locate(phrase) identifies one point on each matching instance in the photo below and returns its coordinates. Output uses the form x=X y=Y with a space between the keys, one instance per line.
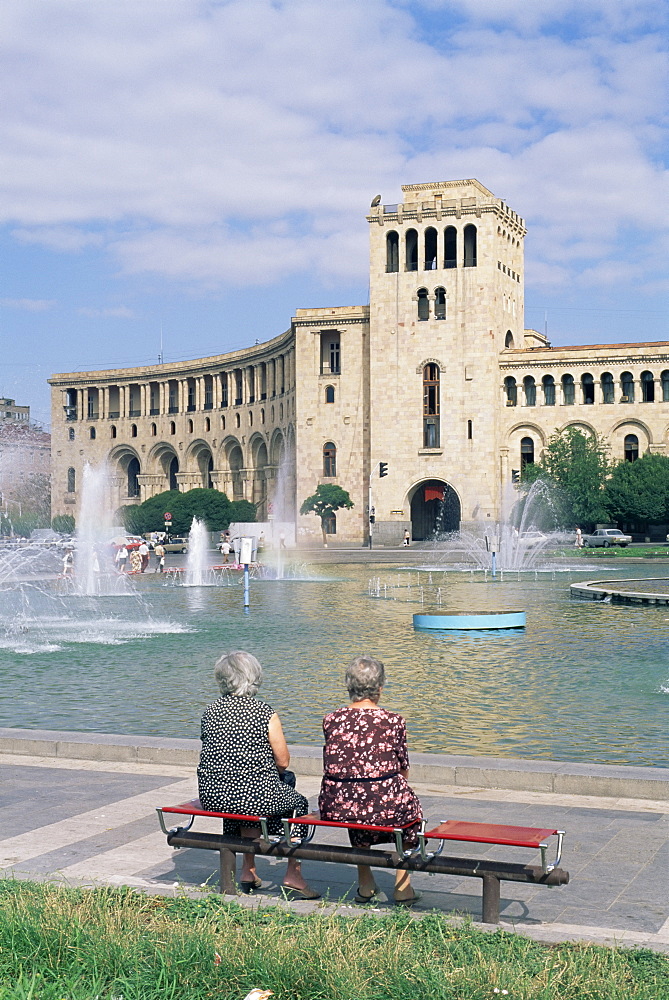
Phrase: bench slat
x=489 y=833
x=314 y=819
x=194 y=808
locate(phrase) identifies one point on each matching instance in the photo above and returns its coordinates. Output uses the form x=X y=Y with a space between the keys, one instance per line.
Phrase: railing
x=238 y=401
x=190 y=408
x=209 y=406
x=172 y=408
x=135 y=413
x=154 y=411
x=114 y=414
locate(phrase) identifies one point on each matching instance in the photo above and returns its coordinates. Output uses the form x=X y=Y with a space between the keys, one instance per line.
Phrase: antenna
x=160 y=355
x=546 y=323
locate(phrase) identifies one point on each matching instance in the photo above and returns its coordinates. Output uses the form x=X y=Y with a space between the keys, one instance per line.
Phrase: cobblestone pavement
x=94 y=822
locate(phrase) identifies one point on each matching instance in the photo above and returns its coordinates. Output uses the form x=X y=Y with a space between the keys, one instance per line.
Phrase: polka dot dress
x=237 y=771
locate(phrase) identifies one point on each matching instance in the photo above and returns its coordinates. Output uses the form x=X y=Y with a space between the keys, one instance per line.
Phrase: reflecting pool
x=584 y=681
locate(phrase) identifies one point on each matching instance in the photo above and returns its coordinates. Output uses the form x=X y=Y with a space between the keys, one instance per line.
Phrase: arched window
x=470 y=430
x=262 y=416
x=91 y=433
x=237 y=420
x=250 y=418
x=423 y=304
x=526 y=452
x=173 y=427
x=329 y=394
x=154 y=430
x=207 y=424
x=222 y=422
x=665 y=386
x=440 y=303
x=508 y=340
x=430 y=249
x=71 y=480
x=112 y=430
x=392 y=252
x=431 y=406
x=608 y=391
x=329 y=460
x=511 y=390
x=588 y=388
x=568 y=390
x=627 y=387
x=647 y=387
x=70 y=433
x=133 y=477
x=530 y=389
x=450 y=247
x=133 y=430
x=190 y=426
x=470 y=245
x=549 y=390
x=411 y=250
x=631 y=447
x=172 y=473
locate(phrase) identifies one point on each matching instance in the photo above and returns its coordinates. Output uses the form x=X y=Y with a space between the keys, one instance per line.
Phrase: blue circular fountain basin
x=487 y=620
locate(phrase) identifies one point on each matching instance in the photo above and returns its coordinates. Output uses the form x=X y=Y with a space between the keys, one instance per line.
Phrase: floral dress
x=237 y=771
x=365 y=750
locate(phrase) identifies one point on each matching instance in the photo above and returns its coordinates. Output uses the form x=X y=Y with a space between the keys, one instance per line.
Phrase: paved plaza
x=93 y=822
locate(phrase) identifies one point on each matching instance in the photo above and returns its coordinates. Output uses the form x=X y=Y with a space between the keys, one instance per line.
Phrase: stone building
x=437 y=378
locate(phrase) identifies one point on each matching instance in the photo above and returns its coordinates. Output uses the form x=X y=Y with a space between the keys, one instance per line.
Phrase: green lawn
x=107 y=944
x=655 y=551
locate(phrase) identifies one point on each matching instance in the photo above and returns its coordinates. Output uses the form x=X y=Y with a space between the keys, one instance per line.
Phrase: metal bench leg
x=228 y=865
x=490 y=899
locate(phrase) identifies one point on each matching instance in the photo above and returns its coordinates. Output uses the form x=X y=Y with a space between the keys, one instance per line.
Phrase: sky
x=193 y=171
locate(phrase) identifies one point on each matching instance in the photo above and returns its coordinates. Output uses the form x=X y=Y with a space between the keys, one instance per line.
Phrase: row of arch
x=190 y=426
x=433 y=252
x=527 y=451
x=585 y=389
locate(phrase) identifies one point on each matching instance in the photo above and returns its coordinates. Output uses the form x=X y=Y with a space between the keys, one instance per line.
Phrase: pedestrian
x=68 y=562
x=160 y=557
x=225 y=549
x=282 y=540
x=144 y=553
x=121 y=558
x=135 y=561
x=579 y=538
x=407 y=537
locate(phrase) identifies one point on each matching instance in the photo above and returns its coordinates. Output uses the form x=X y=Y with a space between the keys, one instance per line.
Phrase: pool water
x=584 y=681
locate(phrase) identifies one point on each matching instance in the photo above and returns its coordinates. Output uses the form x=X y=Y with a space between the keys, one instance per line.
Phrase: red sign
x=167 y=517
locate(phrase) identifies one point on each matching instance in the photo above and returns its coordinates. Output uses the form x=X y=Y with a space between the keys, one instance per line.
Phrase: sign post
x=246 y=557
x=167 y=518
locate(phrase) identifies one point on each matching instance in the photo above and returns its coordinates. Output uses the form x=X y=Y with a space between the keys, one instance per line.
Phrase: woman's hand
x=277 y=741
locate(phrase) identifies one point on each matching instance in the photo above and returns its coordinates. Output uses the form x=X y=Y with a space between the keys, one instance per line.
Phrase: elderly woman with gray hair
x=243 y=760
x=366 y=765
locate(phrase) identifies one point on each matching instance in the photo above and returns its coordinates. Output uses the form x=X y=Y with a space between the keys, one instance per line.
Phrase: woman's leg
x=248 y=872
x=294 y=879
x=366 y=883
x=403 y=887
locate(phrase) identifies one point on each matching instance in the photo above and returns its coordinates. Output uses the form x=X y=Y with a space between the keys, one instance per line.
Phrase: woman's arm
x=277 y=741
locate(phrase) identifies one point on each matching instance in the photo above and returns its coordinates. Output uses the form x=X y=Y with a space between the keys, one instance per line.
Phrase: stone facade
x=436 y=377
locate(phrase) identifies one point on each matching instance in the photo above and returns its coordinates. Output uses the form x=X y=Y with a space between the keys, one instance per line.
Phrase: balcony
x=209 y=405
x=172 y=408
x=238 y=400
x=135 y=413
x=190 y=408
x=114 y=414
x=154 y=411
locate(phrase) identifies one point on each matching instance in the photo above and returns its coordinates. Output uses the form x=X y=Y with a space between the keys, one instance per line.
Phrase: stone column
x=81 y=404
x=104 y=402
x=143 y=406
x=216 y=392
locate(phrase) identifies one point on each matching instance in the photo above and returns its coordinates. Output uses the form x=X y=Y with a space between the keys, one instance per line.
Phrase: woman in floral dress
x=366 y=765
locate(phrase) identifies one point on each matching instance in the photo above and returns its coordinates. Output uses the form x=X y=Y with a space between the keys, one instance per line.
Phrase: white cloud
x=115 y=312
x=28 y=305
x=241 y=142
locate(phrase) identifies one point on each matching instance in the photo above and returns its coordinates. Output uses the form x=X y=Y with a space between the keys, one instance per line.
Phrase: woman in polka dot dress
x=244 y=755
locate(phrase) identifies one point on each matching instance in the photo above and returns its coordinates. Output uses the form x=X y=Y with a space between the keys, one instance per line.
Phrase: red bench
x=420 y=858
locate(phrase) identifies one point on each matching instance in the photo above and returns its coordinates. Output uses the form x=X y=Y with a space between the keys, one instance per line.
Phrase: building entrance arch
x=435 y=508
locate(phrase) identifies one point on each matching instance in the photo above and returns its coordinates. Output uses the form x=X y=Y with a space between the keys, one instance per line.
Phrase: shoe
x=250 y=886
x=307 y=893
x=361 y=898
x=409 y=901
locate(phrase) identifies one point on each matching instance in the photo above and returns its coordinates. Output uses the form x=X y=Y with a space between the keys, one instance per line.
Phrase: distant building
x=10 y=413
x=437 y=377
x=25 y=465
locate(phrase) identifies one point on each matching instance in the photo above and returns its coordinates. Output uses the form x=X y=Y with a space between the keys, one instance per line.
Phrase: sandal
x=409 y=901
x=361 y=898
x=307 y=893
x=250 y=886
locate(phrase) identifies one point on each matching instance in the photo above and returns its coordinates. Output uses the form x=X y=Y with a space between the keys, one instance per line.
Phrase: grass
x=659 y=551
x=108 y=944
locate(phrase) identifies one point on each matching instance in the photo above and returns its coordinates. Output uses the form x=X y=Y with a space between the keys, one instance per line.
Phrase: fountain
x=197 y=562
x=94 y=571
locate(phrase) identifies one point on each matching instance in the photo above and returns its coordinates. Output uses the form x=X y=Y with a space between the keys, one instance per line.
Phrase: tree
x=577 y=467
x=64 y=524
x=242 y=510
x=639 y=491
x=327 y=499
x=209 y=506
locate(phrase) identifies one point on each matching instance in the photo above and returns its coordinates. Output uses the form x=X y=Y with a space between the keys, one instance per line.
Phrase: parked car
x=176 y=545
x=530 y=539
x=606 y=537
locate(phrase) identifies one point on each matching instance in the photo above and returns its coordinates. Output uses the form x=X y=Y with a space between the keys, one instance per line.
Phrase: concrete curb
x=597 y=590
x=558 y=777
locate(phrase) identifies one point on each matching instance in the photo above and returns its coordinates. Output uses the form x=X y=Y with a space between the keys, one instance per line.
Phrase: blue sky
x=205 y=167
